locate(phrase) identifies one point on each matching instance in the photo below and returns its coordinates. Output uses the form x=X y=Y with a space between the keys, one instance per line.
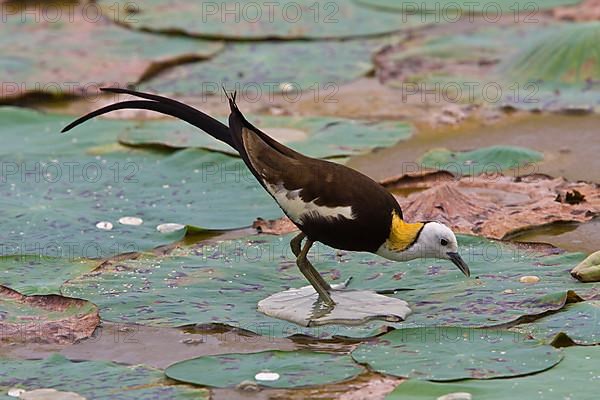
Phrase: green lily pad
x=575 y=377
x=500 y=66
x=45 y=318
x=277 y=369
x=314 y=136
x=563 y=64
x=40 y=274
x=93 y=379
x=490 y=8
x=259 y=70
x=59 y=191
x=579 y=321
x=452 y=353
x=223 y=282
x=298 y=19
x=82 y=53
x=488 y=159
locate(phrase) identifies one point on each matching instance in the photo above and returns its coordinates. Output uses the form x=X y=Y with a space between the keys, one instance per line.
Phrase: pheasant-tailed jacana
x=329 y=203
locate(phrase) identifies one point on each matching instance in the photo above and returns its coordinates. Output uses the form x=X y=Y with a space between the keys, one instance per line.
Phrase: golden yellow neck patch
x=402 y=234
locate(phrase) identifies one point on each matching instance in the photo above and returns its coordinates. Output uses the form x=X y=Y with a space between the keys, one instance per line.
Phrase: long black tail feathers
x=165 y=106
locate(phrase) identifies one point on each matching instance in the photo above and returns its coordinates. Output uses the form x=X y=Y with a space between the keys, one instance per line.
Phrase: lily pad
x=505 y=7
x=40 y=274
x=453 y=353
x=223 y=283
x=499 y=66
x=64 y=195
x=45 y=318
x=488 y=159
x=574 y=378
x=298 y=19
x=580 y=322
x=93 y=379
x=277 y=369
x=79 y=37
x=260 y=70
x=314 y=136
x=563 y=64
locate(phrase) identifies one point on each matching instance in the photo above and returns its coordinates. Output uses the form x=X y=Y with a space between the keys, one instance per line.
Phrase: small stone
x=104 y=225
x=508 y=291
x=192 y=341
x=248 y=386
x=529 y=279
x=169 y=228
x=49 y=394
x=286 y=87
x=131 y=221
x=15 y=392
x=456 y=396
x=267 y=376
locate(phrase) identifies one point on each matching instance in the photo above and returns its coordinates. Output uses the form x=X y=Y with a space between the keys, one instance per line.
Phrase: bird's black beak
x=459 y=262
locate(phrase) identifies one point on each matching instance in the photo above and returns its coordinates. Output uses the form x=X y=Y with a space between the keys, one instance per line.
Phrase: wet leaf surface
x=575 y=378
x=452 y=353
x=503 y=66
x=222 y=283
x=64 y=195
x=507 y=7
x=492 y=159
x=45 y=318
x=314 y=136
x=278 y=369
x=579 y=321
x=34 y=274
x=82 y=51
x=260 y=70
x=93 y=379
x=299 y=19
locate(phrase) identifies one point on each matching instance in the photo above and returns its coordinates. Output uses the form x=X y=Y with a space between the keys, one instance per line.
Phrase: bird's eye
x=444 y=242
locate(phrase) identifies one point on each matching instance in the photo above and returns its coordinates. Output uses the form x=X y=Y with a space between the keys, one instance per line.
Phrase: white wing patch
x=296 y=208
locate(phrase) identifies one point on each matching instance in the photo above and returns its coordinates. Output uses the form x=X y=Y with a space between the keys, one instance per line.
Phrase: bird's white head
x=430 y=240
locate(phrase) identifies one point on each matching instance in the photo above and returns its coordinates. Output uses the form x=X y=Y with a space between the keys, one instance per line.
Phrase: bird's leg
x=296 y=243
x=311 y=274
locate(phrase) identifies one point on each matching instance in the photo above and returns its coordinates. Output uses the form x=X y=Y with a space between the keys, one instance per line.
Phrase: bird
x=329 y=202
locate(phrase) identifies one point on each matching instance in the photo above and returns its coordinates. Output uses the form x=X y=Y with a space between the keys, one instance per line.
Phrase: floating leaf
x=93 y=379
x=314 y=136
x=492 y=9
x=45 y=318
x=452 y=353
x=564 y=65
x=278 y=369
x=579 y=321
x=55 y=192
x=223 y=283
x=574 y=378
x=259 y=70
x=501 y=66
x=297 y=19
x=493 y=205
x=82 y=54
x=488 y=159
x=40 y=274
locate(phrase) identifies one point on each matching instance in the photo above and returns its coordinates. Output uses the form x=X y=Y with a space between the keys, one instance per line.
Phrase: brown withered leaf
x=51 y=319
x=500 y=206
x=588 y=10
x=494 y=206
